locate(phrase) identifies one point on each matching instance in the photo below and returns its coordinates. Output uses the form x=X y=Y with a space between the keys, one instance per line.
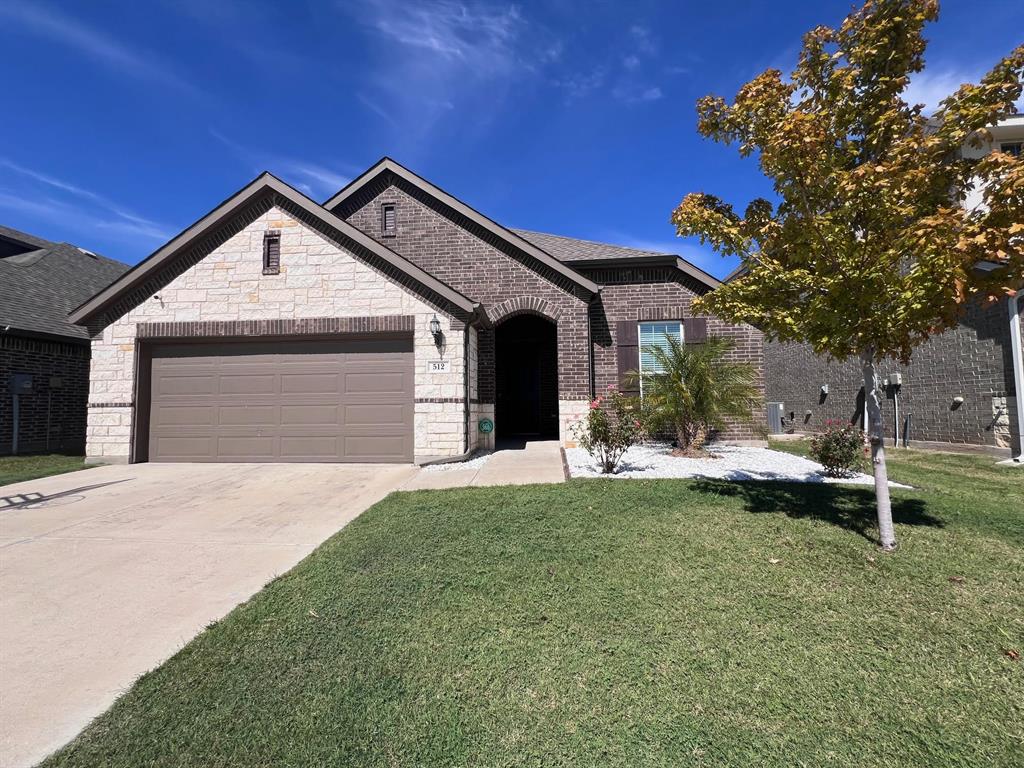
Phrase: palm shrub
x=697 y=390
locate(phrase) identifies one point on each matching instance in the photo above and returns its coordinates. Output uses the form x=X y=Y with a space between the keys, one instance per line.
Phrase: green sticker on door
x=486 y=426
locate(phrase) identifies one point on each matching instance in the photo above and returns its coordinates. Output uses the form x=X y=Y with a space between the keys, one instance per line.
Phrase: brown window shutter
x=627 y=348
x=695 y=330
x=271 y=252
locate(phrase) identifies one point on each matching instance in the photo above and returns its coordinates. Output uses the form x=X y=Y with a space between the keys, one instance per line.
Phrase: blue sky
x=125 y=122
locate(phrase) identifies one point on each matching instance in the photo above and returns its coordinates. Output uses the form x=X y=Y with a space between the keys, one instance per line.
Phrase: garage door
x=287 y=401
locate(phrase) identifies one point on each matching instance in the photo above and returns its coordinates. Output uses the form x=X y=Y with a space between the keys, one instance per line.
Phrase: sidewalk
x=520 y=464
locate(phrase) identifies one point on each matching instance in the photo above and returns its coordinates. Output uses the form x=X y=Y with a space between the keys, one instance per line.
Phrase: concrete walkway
x=106 y=572
x=525 y=463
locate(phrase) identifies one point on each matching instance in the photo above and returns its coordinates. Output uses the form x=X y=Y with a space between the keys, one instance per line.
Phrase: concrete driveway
x=106 y=572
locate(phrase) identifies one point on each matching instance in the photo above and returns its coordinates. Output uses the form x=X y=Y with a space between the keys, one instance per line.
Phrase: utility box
x=21 y=383
x=775 y=418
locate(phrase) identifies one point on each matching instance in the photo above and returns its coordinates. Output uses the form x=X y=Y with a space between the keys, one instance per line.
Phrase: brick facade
x=665 y=293
x=972 y=361
x=508 y=283
x=51 y=418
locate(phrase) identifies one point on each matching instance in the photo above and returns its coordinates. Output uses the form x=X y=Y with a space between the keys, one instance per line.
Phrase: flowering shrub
x=611 y=426
x=840 y=449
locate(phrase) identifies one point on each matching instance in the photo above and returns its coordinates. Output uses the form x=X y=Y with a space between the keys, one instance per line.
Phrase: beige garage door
x=286 y=401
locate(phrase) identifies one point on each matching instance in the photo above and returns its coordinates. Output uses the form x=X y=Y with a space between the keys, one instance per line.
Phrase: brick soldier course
x=389 y=253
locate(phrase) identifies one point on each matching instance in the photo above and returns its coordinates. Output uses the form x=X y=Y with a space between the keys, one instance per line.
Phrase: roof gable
x=194 y=243
x=350 y=194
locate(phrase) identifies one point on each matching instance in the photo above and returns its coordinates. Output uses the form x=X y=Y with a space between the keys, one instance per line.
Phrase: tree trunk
x=873 y=402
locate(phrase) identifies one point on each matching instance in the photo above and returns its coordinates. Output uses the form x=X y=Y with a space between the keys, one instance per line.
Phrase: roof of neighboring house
x=263 y=187
x=42 y=281
x=588 y=253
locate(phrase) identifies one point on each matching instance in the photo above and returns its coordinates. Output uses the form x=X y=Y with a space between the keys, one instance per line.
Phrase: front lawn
x=632 y=623
x=15 y=469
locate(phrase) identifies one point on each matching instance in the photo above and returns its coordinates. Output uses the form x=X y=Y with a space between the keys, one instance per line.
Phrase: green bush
x=840 y=449
x=611 y=426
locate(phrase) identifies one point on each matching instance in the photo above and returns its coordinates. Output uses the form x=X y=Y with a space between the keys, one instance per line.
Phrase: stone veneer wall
x=973 y=361
x=665 y=293
x=318 y=279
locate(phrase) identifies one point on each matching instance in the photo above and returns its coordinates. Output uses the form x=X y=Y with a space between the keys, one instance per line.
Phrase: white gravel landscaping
x=478 y=460
x=654 y=460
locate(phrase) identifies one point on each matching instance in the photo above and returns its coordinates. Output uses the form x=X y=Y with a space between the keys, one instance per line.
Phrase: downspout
x=590 y=345
x=465 y=383
x=1013 y=304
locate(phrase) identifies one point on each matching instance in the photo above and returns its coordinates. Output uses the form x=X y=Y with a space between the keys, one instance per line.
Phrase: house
x=963 y=388
x=44 y=359
x=392 y=323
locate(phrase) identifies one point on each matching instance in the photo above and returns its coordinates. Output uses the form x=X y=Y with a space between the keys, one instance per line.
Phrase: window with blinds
x=656 y=335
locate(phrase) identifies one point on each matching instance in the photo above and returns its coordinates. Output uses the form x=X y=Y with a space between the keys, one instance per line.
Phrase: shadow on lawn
x=850 y=508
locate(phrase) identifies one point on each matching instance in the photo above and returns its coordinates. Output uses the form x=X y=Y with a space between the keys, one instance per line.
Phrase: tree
x=867 y=250
x=697 y=389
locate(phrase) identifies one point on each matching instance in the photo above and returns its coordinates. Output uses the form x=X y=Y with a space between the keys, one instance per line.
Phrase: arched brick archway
x=523 y=305
x=526 y=374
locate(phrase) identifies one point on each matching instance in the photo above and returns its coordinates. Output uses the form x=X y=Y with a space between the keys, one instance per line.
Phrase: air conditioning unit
x=775 y=418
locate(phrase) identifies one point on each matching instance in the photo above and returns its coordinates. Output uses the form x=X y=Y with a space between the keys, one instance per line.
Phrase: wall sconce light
x=435 y=330
x=824 y=389
x=957 y=402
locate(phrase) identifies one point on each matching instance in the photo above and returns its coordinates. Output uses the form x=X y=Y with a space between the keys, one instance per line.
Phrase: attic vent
x=271 y=252
x=388 y=224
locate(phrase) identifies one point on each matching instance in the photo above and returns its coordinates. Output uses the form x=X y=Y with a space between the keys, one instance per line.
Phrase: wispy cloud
x=74 y=34
x=437 y=58
x=634 y=93
x=624 y=71
x=80 y=203
x=312 y=178
x=934 y=84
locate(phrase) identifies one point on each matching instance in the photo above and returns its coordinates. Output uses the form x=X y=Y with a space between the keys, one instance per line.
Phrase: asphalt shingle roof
x=570 y=249
x=40 y=286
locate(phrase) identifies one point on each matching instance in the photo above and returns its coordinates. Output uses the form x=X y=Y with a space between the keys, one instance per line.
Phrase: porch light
x=435 y=327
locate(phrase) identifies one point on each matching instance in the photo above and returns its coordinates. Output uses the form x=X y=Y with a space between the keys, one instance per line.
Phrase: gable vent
x=388 y=221
x=271 y=252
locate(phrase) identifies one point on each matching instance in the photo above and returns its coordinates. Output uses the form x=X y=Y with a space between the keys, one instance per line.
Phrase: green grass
x=15 y=469
x=627 y=623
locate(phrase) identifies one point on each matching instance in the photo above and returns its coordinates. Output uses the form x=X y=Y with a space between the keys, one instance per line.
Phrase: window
x=1013 y=148
x=655 y=335
x=271 y=252
x=388 y=225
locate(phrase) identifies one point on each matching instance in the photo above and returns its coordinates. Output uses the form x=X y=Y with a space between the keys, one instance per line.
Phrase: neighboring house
x=44 y=359
x=391 y=323
x=962 y=388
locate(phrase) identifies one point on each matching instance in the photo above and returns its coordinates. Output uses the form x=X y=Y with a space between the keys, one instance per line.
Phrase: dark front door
x=526 y=359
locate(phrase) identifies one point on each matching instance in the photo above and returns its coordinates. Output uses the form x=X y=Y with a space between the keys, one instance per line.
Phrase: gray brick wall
x=487 y=271
x=972 y=361
x=52 y=418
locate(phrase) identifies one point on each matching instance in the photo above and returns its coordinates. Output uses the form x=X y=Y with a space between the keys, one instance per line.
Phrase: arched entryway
x=526 y=378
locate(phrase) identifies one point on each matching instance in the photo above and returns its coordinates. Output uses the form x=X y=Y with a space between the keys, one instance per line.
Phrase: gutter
x=1013 y=305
